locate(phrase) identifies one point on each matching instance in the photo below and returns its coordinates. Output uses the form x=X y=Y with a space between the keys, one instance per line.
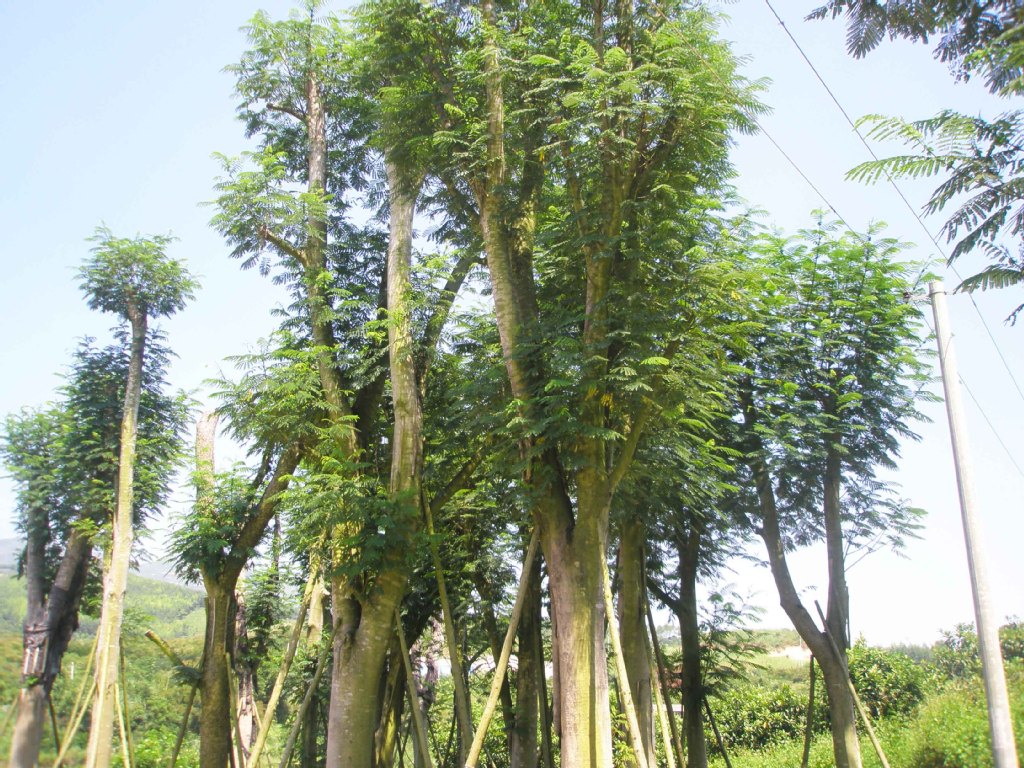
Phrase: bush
x=753 y=717
x=888 y=682
x=956 y=655
x=951 y=729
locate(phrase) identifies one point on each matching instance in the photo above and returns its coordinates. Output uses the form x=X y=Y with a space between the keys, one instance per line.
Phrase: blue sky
x=114 y=108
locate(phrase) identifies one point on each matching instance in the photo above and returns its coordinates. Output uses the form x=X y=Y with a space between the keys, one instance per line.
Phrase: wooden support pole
x=506 y=651
x=626 y=695
x=810 y=719
x=414 y=705
x=718 y=734
x=286 y=664
x=184 y=727
x=321 y=664
x=663 y=684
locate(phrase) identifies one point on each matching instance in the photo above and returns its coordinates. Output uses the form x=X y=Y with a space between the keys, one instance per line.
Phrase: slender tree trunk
x=44 y=650
x=689 y=632
x=523 y=752
x=245 y=677
x=838 y=613
x=115 y=581
x=388 y=732
x=632 y=627
x=842 y=713
x=361 y=647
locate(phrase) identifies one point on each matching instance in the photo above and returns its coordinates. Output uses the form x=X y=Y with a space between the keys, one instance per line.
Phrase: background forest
x=539 y=378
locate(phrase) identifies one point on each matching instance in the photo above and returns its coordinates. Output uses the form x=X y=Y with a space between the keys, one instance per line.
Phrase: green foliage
x=956 y=655
x=889 y=683
x=973 y=37
x=132 y=277
x=754 y=717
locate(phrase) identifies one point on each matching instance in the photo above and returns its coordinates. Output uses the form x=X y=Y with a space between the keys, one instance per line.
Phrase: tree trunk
x=841 y=709
x=633 y=629
x=837 y=616
x=115 y=581
x=361 y=647
x=689 y=633
x=494 y=639
x=215 y=713
x=388 y=731
x=574 y=560
x=245 y=676
x=523 y=749
x=44 y=651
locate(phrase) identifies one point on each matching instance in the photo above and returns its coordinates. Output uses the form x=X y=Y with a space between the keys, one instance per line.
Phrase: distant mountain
x=158 y=570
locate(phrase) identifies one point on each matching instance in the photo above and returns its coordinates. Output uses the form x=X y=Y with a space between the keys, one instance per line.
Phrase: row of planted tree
x=526 y=316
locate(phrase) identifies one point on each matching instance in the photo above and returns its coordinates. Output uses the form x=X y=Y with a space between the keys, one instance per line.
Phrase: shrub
x=755 y=716
x=888 y=682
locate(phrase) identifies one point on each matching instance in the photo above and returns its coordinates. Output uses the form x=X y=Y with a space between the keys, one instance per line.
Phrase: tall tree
x=134 y=279
x=829 y=388
x=64 y=461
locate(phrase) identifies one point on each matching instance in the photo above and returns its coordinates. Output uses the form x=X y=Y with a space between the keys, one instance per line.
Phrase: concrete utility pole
x=1004 y=750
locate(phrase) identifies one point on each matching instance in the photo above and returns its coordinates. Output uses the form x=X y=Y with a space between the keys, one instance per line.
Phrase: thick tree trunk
x=633 y=628
x=44 y=651
x=361 y=647
x=574 y=575
x=215 y=713
x=115 y=581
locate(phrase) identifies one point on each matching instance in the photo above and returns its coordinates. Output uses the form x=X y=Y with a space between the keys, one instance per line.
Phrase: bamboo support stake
x=73 y=728
x=810 y=719
x=546 y=749
x=632 y=721
x=410 y=685
x=126 y=755
x=53 y=722
x=321 y=664
x=718 y=734
x=82 y=697
x=184 y=727
x=663 y=684
x=506 y=652
x=124 y=704
x=660 y=706
x=282 y=673
x=463 y=704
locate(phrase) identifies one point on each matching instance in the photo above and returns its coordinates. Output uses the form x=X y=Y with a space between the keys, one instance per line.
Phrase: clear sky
x=113 y=109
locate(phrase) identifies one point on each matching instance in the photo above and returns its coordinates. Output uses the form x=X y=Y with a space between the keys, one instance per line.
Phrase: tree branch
x=288 y=111
x=281 y=244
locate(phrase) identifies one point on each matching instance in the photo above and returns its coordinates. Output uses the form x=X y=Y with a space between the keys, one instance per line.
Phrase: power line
x=899 y=192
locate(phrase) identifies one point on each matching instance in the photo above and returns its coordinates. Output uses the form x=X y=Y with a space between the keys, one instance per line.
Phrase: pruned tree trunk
x=361 y=645
x=245 y=680
x=523 y=752
x=689 y=633
x=115 y=579
x=632 y=627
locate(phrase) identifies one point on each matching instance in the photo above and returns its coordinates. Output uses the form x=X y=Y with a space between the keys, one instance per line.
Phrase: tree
x=134 y=279
x=619 y=127
x=829 y=386
x=64 y=462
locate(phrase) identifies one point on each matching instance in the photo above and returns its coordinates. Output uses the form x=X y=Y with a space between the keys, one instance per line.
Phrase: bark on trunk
x=842 y=713
x=633 y=630
x=689 y=632
x=523 y=752
x=246 y=679
x=361 y=647
x=115 y=581
x=574 y=574
x=215 y=713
